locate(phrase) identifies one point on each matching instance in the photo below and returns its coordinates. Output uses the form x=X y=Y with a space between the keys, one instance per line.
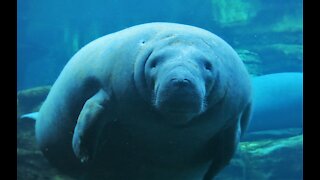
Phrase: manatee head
x=181 y=77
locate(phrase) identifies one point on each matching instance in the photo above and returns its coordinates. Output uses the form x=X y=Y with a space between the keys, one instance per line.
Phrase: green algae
x=234 y=12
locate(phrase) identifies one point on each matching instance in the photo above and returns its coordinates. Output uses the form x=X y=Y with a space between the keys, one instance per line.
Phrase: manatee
x=153 y=101
x=277 y=101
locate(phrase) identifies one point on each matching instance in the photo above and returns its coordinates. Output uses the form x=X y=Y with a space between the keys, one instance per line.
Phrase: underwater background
x=268 y=36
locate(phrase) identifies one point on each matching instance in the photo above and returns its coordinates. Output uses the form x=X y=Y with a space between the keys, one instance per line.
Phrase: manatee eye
x=153 y=64
x=208 y=66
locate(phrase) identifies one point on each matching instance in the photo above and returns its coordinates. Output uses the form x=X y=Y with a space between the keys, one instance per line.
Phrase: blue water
x=50 y=32
x=266 y=34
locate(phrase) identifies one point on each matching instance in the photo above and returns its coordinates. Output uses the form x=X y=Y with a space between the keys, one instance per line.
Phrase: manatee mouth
x=179 y=97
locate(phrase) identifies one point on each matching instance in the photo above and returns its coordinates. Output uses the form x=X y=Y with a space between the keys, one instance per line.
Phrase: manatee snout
x=180 y=90
x=180 y=82
x=179 y=79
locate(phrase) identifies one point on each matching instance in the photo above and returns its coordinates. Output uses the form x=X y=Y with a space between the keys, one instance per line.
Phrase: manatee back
x=277 y=101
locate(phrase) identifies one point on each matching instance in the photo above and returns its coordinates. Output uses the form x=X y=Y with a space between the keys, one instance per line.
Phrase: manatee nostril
x=186 y=80
x=180 y=82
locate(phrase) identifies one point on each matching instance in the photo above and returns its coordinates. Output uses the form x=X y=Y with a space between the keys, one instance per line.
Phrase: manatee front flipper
x=222 y=148
x=90 y=121
x=32 y=116
x=224 y=144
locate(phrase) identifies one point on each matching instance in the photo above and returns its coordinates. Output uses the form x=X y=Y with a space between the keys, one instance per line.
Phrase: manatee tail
x=33 y=116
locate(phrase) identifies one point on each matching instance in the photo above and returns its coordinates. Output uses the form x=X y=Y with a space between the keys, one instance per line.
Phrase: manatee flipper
x=88 y=125
x=245 y=118
x=223 y=148
x=33 y=116
x=224 y=145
